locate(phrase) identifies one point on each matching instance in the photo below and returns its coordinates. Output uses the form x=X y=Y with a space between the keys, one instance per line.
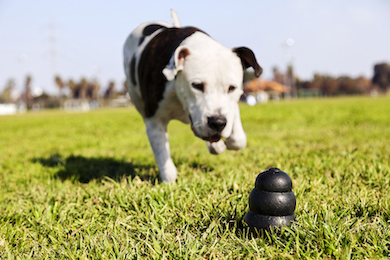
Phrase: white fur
x=209 y=62
x=175 y=18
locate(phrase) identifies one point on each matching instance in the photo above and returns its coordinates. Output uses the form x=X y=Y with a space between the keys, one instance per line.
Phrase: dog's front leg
x=159 y=141
x=237 y=139
x=216 y=147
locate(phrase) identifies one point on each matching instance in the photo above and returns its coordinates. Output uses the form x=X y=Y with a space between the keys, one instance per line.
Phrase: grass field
x=85 y=185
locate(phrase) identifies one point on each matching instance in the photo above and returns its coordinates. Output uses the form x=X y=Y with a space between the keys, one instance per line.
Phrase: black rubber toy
x=272 y=202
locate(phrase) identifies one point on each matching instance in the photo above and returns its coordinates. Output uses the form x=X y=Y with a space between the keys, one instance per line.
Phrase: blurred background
x=69 y=53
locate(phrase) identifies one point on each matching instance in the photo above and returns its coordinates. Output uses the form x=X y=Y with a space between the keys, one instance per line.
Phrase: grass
x=85 y=185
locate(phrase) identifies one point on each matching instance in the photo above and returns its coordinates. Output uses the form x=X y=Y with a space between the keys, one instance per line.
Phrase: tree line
x=85 y=89
x=324 y=85
x=70 y=89
x=327 y=85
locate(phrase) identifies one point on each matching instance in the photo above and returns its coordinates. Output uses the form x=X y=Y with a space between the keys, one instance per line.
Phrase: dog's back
x=132 y=50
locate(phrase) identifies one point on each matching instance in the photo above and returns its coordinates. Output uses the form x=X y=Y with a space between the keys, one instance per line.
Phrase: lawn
x=85 y=185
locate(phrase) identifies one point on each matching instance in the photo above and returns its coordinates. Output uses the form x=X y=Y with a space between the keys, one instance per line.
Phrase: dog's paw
x=216 y=147
x=236 y=143
x=168 y=172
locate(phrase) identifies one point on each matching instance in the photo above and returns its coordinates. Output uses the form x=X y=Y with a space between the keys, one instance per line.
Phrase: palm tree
x=109 y=93
x=72 y=88
x=60 y=84
x=83 y=86
x=27 y=93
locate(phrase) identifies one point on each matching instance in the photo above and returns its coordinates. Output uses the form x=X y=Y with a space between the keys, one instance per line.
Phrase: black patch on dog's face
x=154 y=58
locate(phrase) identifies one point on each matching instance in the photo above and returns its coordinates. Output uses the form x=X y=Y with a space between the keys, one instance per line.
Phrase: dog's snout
x=216 y=123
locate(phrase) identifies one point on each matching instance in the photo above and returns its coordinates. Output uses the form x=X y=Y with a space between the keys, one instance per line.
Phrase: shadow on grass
x=192 y=164
x=83 y=169
x=243 y=231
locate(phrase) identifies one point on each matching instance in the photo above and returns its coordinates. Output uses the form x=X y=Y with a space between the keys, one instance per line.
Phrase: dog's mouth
x=211 y=139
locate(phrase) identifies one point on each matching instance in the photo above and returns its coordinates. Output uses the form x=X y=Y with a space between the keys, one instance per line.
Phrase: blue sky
x=335 y=37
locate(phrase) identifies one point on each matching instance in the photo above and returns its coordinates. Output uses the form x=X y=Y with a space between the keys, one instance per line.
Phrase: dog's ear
x=176 y=63
x=248 y=59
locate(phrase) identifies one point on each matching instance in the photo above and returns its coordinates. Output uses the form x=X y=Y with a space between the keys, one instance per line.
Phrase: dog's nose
x=216 y=123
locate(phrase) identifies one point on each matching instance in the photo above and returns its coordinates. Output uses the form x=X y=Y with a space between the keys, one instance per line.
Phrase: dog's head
x=208 y=83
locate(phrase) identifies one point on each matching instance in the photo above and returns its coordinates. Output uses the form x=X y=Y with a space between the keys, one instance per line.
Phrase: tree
x=83 y=87
x=363 y=84
x=381 y=76
x=6 y=96
x=125 y=90
x=60 y=84
x=109 y=93
x=290 y=80
x=27 y=92
x=308 y=85
x=347 y=85
x=329 y=86
x=93 y=89
x=72 y=87
x=278 y=76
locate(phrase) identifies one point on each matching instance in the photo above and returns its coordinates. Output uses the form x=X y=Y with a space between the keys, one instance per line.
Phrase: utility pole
x=21 y=59
x=53 y=49
x=289 y=75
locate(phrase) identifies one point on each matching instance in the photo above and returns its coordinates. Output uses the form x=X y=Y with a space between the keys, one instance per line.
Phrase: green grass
x=85 y=185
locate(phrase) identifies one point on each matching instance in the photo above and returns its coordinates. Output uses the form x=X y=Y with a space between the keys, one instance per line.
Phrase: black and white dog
x=181 y=73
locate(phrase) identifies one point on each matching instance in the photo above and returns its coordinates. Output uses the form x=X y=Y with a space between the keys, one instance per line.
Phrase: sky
x=84 y=38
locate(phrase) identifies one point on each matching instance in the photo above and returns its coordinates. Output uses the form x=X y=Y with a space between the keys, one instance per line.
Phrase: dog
x=181 y=73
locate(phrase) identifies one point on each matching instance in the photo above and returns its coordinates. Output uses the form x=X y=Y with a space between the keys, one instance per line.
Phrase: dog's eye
x=231 y=89
x=198 y=86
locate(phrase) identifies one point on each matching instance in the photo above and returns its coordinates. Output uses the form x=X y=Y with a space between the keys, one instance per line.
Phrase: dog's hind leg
x=159 y=141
